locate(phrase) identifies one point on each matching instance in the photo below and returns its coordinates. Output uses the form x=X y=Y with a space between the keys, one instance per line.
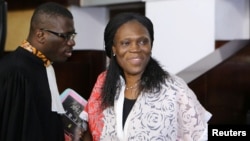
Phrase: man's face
x=59 y=39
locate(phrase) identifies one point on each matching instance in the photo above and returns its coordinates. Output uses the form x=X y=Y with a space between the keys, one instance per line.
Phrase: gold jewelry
x=132 y=87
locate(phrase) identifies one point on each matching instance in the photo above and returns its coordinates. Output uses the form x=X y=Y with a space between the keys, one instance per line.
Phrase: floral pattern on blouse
x=173 y=114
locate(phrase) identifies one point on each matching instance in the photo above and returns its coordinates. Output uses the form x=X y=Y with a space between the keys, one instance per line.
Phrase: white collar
x=56 y=104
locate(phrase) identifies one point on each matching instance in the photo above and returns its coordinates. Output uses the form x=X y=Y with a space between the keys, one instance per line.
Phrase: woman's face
x=132 y=47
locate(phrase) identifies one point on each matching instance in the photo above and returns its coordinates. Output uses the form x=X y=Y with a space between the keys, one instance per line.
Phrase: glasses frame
x=65 y=36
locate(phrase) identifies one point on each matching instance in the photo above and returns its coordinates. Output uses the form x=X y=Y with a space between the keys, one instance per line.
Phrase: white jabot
x=56 y=105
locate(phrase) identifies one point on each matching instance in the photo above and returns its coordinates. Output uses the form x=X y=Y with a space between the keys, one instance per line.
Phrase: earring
x=113 y=54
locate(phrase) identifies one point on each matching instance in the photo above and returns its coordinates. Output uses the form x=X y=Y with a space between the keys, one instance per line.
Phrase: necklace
x=132 y=87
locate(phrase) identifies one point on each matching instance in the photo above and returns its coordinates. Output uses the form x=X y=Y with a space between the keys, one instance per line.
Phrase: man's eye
x=65 y=36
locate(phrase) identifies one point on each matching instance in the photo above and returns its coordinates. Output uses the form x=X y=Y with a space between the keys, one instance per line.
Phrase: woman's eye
x=143 y=42
x=125 y=43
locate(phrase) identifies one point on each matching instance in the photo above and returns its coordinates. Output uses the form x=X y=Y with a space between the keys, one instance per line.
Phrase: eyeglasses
x=67 y=37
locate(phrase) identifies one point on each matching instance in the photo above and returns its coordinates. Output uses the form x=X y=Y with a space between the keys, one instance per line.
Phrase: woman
x=135 y=99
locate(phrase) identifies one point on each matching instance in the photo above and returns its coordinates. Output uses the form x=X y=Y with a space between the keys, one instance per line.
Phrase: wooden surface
x=225 y=89
x=80 y=71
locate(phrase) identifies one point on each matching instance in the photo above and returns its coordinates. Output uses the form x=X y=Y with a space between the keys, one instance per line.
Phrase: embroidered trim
x=26 y=45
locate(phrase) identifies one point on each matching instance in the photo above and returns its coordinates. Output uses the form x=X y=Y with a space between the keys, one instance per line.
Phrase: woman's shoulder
x=175 y=80
x=179 y=86
x=102 y=75
x=96 y=91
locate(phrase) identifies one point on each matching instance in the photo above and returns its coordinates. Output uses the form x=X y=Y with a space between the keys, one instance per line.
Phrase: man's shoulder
x=9 y=58
x=14 y=61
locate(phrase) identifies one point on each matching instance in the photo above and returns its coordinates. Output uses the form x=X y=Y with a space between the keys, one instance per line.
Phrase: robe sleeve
x=16 y=112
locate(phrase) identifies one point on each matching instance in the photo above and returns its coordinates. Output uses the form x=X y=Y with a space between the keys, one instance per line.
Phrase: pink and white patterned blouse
x=173 y=114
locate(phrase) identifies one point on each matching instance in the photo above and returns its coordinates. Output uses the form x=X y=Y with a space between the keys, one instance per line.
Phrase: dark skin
x=133 y=50
x=55 y=48
x=86 y=136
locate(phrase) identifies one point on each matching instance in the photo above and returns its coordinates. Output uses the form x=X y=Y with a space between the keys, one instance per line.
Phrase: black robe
x=25 y=100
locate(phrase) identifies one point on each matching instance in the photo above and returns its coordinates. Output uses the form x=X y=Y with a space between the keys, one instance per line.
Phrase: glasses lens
x=72 y=36
x=65 y=36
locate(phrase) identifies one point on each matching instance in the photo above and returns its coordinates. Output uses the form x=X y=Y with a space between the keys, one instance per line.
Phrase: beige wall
x=17 y=28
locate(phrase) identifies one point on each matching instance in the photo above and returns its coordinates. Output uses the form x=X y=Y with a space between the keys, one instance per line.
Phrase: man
x=30 y=106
